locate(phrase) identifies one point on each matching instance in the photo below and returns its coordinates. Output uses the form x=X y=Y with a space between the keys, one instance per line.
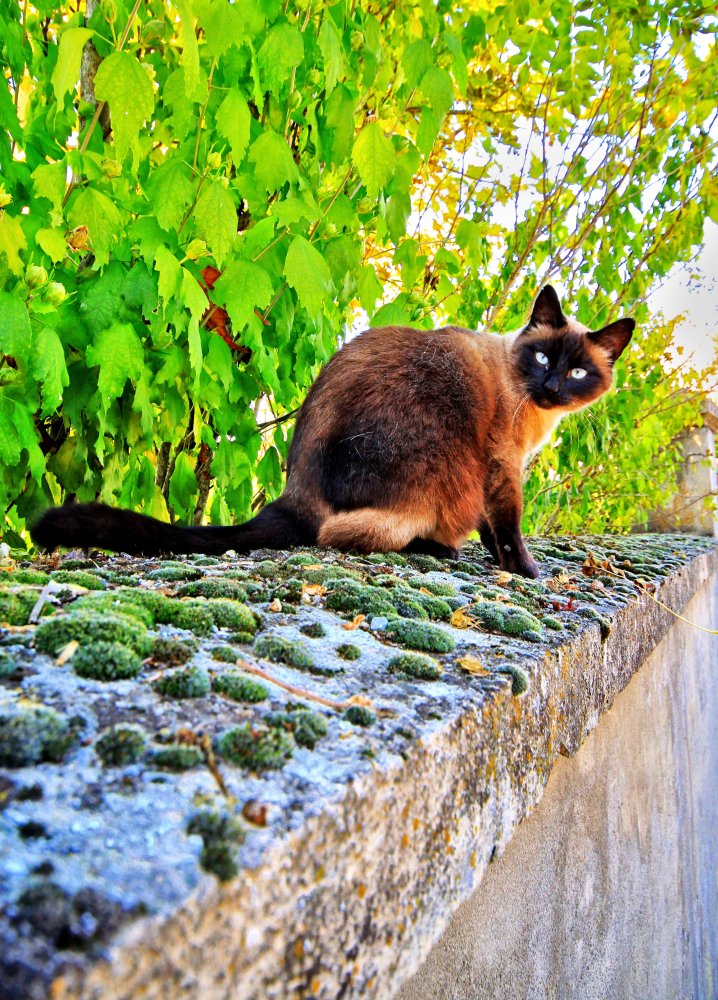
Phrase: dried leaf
x=255 y=812
x=460 y=619
x=67 y=652
x=423 y=590
x=275 y=605
x=78 y=238
x=354 y=623
x=313 y=590
x=360 y=699
x=473 y=665
x=502 y=578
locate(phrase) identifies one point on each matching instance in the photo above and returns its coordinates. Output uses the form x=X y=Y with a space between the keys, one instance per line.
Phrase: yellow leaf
x=360 y=699
x=502 y=577
x=473 y=665
x=460 y=619
x=423 y=590
x=313 y=590
x=67 y=652
x=355 y=623
x=276 y=605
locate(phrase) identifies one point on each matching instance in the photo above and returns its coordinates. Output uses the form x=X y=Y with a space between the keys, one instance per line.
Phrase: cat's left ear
x=614 y=338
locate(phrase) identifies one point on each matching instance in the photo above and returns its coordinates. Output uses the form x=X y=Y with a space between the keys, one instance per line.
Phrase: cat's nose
x=552 y=383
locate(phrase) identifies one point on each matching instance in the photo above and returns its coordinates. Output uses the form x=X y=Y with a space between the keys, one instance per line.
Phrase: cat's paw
x=522 y=563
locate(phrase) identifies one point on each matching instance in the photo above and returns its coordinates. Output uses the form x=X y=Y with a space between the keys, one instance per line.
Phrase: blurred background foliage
x=340 y=164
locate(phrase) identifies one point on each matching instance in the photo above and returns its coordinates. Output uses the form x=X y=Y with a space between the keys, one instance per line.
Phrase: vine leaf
x=12 y=241
x=274 y=165
x=183 y=485
x=243 y=287
x=93 y=209
x=170 y=190
x=215 y=220
x=125 y=85
x=15 y=332
x=306 y=271
x=233 y=120
x=373 y=156
x=47 y=366
x=66 y=73
x=281 y=52
x=119 y=354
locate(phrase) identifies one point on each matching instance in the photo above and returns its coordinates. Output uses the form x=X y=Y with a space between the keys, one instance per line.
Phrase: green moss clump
x=306 y=727
x=8 y=666
x=239 y=687
x=435 y=587
x=288 y=591
x=359 y=715
x=259 y=748
x=174 y=652
x=268 y=569
x=387 y=559
x=175 y=757
x=301 y=559
x=548 y=621
x=81 y=579
x=190 y=682
x=204 y=560
x=507 y=619
x=30 y=734
x=427 y=563
x=348 y=651
x=420 y=635
x=16 y=605
x=409 y=608
x=350 y=596
x=225 y=654
x=121 y=744
x=422 y=668
x=214 y=587
x=279 y=649
x=28 y=576
x=221 y=834
x=330 y=572
x=436 y=607
x=592 y=615
x=106 y=661
x=54 y=634
x=315 y=631
x=520 y=681
x=230 y=614
x=122 y=603
x=174 y=572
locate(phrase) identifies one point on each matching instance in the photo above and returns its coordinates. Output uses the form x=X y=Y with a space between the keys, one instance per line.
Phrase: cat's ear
x=547 y=309
x=614 y=338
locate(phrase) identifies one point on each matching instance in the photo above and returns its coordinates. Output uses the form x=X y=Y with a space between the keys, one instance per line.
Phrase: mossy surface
x=86 y=626
x=8 y=666
x=175 y=757
x=214 y=587
x=221 y=835
x=173 y=652
x=507 y=619
x=280 y=649
x=306 y=727
x=314 y=631
x=173 y=572
x=33 y=733
x=88 y=580
x=348 y=651
x=16 y=605
x=258 y=748
x=190 y=682
x=421 y=668
x=420 y=635
x=359 y=715
x=239 y=687
x=119 y=602
x=119 y=745
x=106 y=661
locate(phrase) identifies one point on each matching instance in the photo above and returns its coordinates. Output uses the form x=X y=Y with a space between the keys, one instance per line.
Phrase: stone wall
x=610 y=889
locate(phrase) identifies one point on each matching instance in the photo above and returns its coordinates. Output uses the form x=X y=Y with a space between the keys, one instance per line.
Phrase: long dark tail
x=98 y=526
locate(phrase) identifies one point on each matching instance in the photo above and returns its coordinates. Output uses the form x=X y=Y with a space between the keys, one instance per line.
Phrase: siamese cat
x=408 y=441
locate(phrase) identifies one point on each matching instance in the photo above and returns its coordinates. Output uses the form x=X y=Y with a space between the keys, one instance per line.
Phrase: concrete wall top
x=179 y=832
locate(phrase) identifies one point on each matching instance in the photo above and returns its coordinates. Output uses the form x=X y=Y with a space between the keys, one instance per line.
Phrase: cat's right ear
x=547 y=309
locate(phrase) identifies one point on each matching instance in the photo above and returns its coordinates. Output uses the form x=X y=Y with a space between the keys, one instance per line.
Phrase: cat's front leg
x=504 y=503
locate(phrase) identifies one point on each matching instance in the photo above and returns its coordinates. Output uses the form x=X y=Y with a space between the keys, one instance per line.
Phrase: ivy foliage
x=200 y=197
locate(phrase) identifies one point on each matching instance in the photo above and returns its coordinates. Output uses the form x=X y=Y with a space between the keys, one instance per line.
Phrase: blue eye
x=541 y=358
x=578 y=373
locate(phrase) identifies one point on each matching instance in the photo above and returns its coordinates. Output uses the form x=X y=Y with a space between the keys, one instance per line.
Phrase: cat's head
x=563 y=364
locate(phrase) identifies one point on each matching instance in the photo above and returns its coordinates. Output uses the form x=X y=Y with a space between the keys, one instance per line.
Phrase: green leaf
x=119 y=354
x=193 y=298
x=269 y=472
x=369 y=286
x=18 y=434
x=227 y=24
x=49 y=181
x=170 y=190
x=416 y=59
x=306 y=271
x=330 y=44
x=188 y=44
x=123 y=82
x=12 y=241
x=52 y=242
x=373 y=156
x=233 y=121
x=274 y=165
x=242 y=288
x=66 y=74
x=183 y=486
x=94 y=209
x=215 y=220
x=281 y=52
x=170 y=272
x=47 y=365
x=438 y=89
x=15 y=331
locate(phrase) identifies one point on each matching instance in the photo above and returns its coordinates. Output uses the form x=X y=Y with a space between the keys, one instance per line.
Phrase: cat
x=409 y=440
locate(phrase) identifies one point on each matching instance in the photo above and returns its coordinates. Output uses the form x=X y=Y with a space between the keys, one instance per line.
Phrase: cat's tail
x=94 y=525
